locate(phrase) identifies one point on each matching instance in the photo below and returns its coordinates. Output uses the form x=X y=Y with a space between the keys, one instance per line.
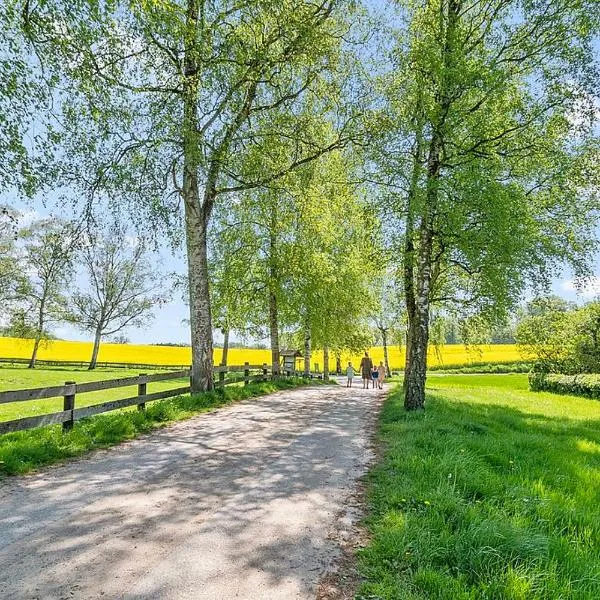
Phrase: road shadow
x=251 y=488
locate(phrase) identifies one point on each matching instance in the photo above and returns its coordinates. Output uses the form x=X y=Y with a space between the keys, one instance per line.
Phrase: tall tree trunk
x=36 y=345
x=39 y=331
x=225 y=332
x=196 y=214
x=307 y=351
x=385 y=352
x=338 y=363
x=419 y=275
x=274 y=332
x=325 y=362
x=409 y=240
x=95 y=350
x=200 y=313
x=416 y=352
x=273 y=286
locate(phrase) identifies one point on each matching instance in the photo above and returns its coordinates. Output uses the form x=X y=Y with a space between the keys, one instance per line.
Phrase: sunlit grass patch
x=492 y=492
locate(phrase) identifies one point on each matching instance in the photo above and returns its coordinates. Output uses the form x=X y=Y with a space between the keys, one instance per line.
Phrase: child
x=349 y=374
x=381 y=369
x=375 y=377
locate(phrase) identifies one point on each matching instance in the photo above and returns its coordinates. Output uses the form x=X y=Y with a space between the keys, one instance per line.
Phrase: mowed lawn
x=492 y=492
x=15 y=378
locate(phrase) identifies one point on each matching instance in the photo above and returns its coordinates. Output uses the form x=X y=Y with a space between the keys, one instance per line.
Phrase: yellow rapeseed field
x=169 y=355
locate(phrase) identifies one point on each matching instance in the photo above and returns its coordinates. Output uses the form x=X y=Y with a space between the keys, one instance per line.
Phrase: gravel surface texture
x=245 y=502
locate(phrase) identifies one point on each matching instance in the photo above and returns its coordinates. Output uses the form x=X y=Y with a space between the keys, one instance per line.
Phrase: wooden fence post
x=69 y=404
x=142 y=390
x=265 y=372
x=246 y=372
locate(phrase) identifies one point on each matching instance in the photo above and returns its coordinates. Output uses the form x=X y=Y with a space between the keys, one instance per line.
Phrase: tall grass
x=492 y=493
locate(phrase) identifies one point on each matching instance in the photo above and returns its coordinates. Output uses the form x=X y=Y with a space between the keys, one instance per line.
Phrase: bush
x=485 y=367
x=587 y=385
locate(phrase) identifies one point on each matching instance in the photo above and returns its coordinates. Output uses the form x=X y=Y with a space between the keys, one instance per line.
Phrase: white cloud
x=586 y=288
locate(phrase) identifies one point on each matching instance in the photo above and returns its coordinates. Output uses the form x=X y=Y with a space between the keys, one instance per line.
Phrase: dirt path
x=239 y=503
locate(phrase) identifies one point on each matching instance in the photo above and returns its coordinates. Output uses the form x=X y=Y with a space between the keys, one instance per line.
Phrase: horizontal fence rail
x=243 y=373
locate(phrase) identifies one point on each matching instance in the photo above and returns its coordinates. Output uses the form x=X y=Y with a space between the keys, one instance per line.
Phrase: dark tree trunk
x=33 y=359
x=94 y=359
x=39 y=331
x=274 y=332
x=416 y=351
x=418 y=274
x=307 y=352
x=338 y=363
x=273 y=287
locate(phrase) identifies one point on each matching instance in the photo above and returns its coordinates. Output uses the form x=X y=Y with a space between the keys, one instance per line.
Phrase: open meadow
x=492 y=492
x=19 y=377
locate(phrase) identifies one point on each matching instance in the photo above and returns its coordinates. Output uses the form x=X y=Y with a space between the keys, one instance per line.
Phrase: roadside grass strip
x=24 y=451
x=493 y=492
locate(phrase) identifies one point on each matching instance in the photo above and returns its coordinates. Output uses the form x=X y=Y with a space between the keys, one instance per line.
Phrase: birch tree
x=164 y=98
x=338 y=256
x=123 y=286
x=47 y=257
x=491 y=183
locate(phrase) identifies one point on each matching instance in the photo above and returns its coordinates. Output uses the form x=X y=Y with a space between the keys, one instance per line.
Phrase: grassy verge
x=24 y=451
x=492 y=492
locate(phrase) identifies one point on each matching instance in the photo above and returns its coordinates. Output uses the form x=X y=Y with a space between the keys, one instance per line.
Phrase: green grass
x=15 y=378
x=492 y=492
x=25 y=451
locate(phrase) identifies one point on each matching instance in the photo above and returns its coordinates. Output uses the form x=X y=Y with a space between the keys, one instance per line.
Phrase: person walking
x=349 y=375
x=366 y=366
x=381 y=369
x=375 y=377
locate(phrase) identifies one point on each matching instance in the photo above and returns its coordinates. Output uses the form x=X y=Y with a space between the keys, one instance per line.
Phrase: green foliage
x=492 y=494
x=299 y=253
x=123 y=285
x=578 y=385
x=562 y=338
x=25 y=451
x=27 y=129
x=47 y=257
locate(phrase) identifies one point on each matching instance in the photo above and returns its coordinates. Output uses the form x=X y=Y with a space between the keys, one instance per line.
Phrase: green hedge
x=485 y=367
x=587 y=385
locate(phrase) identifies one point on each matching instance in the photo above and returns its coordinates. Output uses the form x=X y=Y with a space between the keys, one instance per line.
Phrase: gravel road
x=244 y=502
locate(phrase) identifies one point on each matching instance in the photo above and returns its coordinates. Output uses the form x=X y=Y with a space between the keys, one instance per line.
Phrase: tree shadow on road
x=235 y=500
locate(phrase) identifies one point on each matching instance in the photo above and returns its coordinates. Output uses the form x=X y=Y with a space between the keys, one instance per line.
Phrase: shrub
x=587 y=385
x=486 y=367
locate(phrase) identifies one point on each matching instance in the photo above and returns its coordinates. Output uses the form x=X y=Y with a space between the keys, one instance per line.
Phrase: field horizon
x=148 y=354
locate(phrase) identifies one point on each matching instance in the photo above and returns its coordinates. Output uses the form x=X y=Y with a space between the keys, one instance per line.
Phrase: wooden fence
x=71 y=390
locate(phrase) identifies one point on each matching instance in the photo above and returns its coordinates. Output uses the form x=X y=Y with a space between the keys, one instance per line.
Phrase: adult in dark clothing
x=366 y=366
